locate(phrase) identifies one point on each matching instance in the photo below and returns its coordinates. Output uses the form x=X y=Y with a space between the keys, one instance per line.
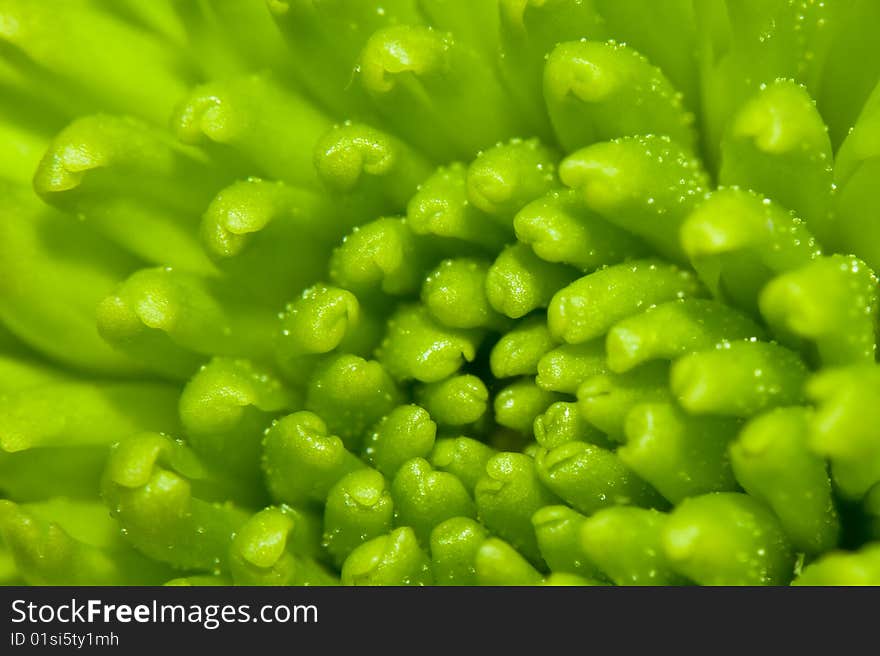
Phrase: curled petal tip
x=394 y=51
x=202 y=115
x=570 y=71
x=349 y=151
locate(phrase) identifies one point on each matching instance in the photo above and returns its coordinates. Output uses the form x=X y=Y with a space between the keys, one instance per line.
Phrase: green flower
x=451 y=292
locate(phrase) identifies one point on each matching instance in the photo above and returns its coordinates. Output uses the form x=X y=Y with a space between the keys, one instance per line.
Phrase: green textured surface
x=453 y=292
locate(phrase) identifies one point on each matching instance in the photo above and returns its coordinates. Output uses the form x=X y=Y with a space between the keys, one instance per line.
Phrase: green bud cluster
x=439 y=292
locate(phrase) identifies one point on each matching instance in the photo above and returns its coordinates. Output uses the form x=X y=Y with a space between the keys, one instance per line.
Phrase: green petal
x=519 y=350
x=673 y=329
x=498 y=563
x=264 y=552
x=225 y=409
x=379 y=169
x=322 y=320
x=416 y=346
x=844 y=568
x=518 y=405
x=589 y=306
x=605 y=400
x=359 y=508
x=249 y=226
x=48 y=546
x=171 y=321
x=325 y=39
x=625 y=543
x=738 y=241
x=504 y=178
x=680 y=455
x=519 y=282
x=589 y=478
x=423 y=498
x=416 y=75
x=454 y=547
x=777 y=145
x=564 y=368
x=646 y=185
x=391 y=559
x=456 y=401
x=738 y=379
x=561 y=228
x=773 y=462
x=602 y=91
x=507 y=496
x=158 y=491
x=558 y=529
x=454 y=293
x=441 y=209
x=404 y=433
x=351 y=394
x=251 y=117
x=102 y=168
x=302 y=462
x=562 y=422
x=463 y=456
x=529 y=31
x=844 y=429
x=831 y=302
x=727 y=538
x=381 y=255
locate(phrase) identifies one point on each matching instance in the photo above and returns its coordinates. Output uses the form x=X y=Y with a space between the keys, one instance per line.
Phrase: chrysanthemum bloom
x=439 y=292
